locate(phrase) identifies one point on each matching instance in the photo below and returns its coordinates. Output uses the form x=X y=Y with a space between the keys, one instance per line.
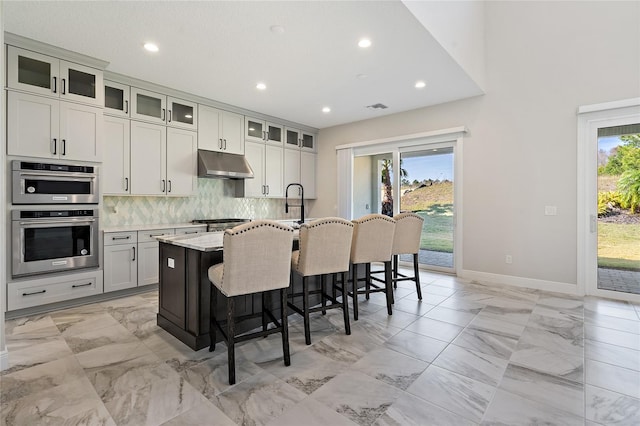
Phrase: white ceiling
x=220 y=50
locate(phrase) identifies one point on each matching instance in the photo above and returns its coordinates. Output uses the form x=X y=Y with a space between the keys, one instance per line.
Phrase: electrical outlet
x=508 y=259
x=550 y=210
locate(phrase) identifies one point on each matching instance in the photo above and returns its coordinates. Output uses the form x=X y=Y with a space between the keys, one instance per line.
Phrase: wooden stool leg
x=333 y=287
x=345 y=303
x=213 y=301
x=416 y=275
x=285 y=327
x=395 y=271
x=367 y=280
x=323 y=291
x=354 y=291
x=265 y=323
x=305 y=310
x=230 y=340
x=388 y=285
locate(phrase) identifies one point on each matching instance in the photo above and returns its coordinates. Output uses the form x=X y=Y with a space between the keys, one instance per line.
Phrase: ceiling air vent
x=377 y=106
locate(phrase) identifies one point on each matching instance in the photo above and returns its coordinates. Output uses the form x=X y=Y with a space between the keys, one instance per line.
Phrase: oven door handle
x=61 y=176
x=56 y=222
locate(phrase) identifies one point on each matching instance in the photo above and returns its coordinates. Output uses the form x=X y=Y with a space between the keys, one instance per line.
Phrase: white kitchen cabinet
x=308 y=174
x=148 y=159
x=300 y=167
x=45 y=75
x=266 y=162
x=305 y=141
x=116 y=158
x=262 y=131
x=161 y=109
x=120 y=261
x=163 y=160
x=116 y=99
x=148 y=255
x=220 y=130
x=47 y=128
x=182 y=151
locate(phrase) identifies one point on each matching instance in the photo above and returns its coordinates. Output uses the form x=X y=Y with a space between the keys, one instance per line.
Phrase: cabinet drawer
x=115 y=238
x=30 y=293
x=149 y=235
x=191 y=230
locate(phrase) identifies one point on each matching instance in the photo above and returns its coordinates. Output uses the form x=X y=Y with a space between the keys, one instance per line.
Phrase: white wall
x=543 y=59
x=459 y=28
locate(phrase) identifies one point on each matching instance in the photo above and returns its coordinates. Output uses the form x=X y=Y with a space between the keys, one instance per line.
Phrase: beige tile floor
x=467 y=354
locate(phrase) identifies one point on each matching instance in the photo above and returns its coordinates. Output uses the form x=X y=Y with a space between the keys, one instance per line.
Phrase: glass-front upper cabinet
x=295 y=138
x=308 y=141
x=49 y=76
x=263 y=131
x=116 y=99
x=182 y=113
x=148 y=106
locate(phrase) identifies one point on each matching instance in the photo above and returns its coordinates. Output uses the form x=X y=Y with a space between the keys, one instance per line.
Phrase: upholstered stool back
x=256 y=258
x=406 y=239
x=372 y=238
x=325 y=245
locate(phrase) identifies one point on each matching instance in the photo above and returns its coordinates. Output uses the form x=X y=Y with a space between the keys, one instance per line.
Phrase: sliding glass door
x=427 y=188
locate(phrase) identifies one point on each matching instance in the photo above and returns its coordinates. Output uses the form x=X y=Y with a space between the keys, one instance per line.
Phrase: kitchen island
x=184 y=288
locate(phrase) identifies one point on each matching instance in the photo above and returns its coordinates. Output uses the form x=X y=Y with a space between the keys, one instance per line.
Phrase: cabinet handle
x=267 y=135
x=263 y=190
x=55 y=146
x=169 y=189
x=169 y=116
x=220 y=144
x=80 y=285
x=163 y=186
x=55 y=84
x=163 y=114
x=35 y=292
x=120 y=238
x=264 y=135
x=126 y=107
x=134 y=254
x=64 y=88
x=126 y=184
x=225 y=144
x=157 y=235
x=267 y=189
x=190 y=232
x=300 y=143
x=64 y=147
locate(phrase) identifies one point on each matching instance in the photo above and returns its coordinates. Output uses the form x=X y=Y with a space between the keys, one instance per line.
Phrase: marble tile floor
x=468 y=354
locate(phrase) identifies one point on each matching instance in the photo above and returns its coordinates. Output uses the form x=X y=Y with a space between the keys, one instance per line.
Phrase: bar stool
x=324 y=249
x=372 y=242
x=406 y=240
x=257 y=257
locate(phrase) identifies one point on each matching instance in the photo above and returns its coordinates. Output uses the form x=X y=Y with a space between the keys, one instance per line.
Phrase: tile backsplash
x=214 y=199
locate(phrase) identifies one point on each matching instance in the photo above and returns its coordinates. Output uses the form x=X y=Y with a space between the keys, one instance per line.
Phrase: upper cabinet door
x=81 y=84
x=148 y=106
x=292 y=138
x=308 y=141
x=209 y=131
x=275 y=133
x=182 y=114
x=116 y=99
x=33 y=72
x=255 y=130
x=232 y=131
x=33 y=125
x=81 y=132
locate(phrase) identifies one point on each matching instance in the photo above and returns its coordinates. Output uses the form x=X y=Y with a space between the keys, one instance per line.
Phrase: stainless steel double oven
x=54 y=217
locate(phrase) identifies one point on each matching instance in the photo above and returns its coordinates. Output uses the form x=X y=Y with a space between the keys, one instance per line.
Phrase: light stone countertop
x=130 y=228
x=207 y=241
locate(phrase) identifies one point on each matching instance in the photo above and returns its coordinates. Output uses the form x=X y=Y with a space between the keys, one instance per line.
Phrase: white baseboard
x=509 y=280
x=4 y=360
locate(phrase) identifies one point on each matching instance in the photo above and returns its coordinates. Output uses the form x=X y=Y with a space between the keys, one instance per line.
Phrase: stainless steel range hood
x=212 y=164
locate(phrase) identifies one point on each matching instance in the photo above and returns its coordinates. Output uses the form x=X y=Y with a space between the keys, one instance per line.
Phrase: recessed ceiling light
x=151 y=47
x=361 y=76
x=365 y=42
x=420 y=84
x=261 y=86
x=277 y=29
x=326 y=110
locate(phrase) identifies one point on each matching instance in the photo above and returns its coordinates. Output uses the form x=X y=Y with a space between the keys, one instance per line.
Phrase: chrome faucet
x=301 y=205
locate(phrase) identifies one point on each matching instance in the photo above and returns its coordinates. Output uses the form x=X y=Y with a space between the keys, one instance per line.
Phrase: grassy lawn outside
x=619 y=246
x=437 y=232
